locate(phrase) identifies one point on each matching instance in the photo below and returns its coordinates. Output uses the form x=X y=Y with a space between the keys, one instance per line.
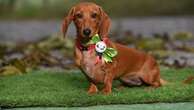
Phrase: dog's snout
x=86 y=32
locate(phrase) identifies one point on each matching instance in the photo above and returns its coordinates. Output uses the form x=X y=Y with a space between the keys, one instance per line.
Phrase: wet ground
x=20 y=31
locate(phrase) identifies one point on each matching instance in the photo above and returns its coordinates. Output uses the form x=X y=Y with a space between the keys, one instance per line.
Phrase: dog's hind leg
x=150 y=73
x=131 y=81
x=152 y=78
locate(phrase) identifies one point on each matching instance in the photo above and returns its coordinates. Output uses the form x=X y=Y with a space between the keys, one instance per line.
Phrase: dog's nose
x=86 y=32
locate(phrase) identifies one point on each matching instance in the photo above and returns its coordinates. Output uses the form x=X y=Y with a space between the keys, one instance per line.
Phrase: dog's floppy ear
x=68 y=20
x=104 y=23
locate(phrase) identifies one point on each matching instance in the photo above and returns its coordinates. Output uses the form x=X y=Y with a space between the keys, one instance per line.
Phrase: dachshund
x=130 y=66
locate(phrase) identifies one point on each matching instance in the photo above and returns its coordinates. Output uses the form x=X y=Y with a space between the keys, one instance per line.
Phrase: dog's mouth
x=85 y=40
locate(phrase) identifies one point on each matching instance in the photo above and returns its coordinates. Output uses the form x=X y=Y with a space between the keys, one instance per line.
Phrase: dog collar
x=80 y=46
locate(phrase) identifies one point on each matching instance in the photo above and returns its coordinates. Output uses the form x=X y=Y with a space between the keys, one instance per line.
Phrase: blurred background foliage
x=172 y=43
x=49 y=9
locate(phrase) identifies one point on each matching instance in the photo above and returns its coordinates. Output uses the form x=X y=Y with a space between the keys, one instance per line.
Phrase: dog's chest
x=94 y=71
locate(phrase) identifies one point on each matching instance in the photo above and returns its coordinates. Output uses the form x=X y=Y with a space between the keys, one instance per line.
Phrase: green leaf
x=9 y=70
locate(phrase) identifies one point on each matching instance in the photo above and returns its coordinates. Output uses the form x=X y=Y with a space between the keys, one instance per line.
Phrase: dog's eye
x=79 y=15
x=94 y=15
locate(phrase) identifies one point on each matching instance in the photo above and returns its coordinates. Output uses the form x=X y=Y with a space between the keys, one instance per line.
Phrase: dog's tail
x=188 y=80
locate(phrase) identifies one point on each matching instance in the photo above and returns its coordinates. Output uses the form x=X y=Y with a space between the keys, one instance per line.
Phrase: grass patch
x=68 y=88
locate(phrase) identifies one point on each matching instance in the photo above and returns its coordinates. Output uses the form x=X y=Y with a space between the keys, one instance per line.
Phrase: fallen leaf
x=189 y=80
x=9 y=70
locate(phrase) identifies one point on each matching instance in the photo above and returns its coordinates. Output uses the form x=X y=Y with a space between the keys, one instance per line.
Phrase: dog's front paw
x=93 y=89
x=106 y=91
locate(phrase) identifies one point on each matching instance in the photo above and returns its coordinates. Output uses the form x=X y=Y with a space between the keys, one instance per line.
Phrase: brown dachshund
x=130 y=66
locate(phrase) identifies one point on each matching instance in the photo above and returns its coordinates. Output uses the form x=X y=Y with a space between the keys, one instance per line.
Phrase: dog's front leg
x=92 y=89
x=107 y=84
x=78 y=56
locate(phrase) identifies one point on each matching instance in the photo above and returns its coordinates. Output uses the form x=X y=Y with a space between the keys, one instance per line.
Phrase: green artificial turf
x=67 y=89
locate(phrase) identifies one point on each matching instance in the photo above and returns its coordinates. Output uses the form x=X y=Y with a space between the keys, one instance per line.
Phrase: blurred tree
x=45 y=4
x=7 y=5
x=121 y=8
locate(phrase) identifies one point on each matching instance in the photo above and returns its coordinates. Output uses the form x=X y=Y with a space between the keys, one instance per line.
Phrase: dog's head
x=89 y=20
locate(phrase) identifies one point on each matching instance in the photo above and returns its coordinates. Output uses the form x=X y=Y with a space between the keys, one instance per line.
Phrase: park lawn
x=54 y=88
